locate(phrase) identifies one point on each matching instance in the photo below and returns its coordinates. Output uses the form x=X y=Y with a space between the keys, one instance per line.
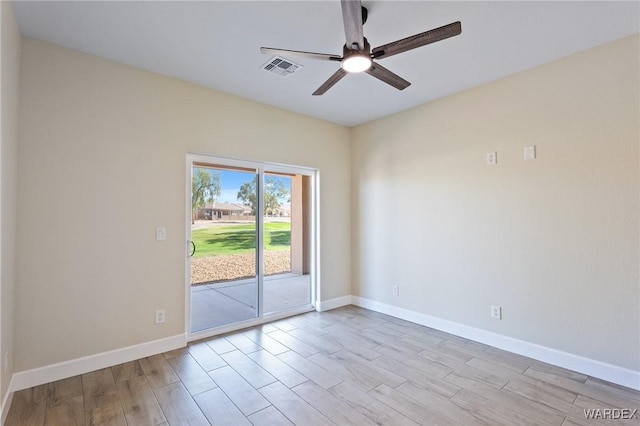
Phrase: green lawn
x=236 y=239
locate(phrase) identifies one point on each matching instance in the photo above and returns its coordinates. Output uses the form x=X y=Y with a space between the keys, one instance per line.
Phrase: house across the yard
x=224 y=211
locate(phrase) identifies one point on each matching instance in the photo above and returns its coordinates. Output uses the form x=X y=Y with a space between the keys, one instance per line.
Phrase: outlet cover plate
x=492 y=158
x=496 y=312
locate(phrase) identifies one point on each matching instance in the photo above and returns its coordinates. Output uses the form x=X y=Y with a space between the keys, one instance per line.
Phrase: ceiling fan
x=357 y=55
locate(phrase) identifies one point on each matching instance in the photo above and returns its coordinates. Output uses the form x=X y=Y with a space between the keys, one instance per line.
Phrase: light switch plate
x=530 y=152
x=161 y=234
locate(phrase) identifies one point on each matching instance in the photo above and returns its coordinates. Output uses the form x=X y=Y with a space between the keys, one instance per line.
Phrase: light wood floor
x=346 y=366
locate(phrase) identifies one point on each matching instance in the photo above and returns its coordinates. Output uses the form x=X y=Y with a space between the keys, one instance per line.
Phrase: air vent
x=280 y=66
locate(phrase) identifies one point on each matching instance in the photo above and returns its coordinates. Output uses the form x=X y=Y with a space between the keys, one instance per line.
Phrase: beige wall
x=102 y=164
x=554 y=241
x=9 y=76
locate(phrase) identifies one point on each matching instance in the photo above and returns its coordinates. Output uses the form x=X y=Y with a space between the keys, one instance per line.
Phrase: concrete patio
x=219 y=304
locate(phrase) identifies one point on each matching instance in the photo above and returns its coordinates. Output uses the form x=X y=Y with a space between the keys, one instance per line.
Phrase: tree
x=247 y=194
x=274 y=191
x=205 y=188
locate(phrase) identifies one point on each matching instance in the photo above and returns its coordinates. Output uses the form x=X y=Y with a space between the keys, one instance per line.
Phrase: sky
x=230 y=182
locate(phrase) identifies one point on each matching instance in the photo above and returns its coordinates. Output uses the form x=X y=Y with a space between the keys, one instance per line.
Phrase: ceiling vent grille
x=280 y=66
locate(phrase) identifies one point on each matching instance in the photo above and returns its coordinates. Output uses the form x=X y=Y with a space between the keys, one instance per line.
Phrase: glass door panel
x=286 y=219
x=224 y=278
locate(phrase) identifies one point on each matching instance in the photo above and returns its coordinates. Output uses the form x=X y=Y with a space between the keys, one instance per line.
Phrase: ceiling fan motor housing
x=356 y=60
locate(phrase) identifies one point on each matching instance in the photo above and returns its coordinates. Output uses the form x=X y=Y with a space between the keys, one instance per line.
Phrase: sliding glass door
x=250 y=243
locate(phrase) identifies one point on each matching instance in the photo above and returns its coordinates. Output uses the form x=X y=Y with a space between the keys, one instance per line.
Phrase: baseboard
x=590 y=367
x=338 y=302
x=63 y=370
x=593 y=368
x=6 y=403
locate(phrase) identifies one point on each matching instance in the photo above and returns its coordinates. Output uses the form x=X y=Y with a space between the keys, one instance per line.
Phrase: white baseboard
x=6 y=403
x=63 y=370
x=338 y=302
x=594 y=368
x=590 y=367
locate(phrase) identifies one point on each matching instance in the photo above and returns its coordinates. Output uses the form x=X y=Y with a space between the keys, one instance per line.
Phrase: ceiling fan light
x=356 y=63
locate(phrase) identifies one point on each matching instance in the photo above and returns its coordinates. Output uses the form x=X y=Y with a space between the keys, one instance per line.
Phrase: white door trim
x=260 y=167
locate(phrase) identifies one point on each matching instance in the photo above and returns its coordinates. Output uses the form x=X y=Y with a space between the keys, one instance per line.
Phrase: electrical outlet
x=496 y=312
x=395 y=290
x=492 y=158
x=160 y=316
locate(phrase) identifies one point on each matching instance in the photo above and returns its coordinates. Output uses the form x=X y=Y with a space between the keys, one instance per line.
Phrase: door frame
x=314 y=241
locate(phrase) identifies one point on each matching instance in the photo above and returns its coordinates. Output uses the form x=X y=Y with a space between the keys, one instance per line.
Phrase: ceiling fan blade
x=337 y=76
x=381 y=73
x=352 y=17
x=300 y=54
x=417 y=40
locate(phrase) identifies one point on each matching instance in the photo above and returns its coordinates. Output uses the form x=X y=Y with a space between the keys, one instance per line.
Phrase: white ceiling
x=216 y=44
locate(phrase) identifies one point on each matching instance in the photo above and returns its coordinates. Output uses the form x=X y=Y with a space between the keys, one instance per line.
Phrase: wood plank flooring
x=348 y=366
